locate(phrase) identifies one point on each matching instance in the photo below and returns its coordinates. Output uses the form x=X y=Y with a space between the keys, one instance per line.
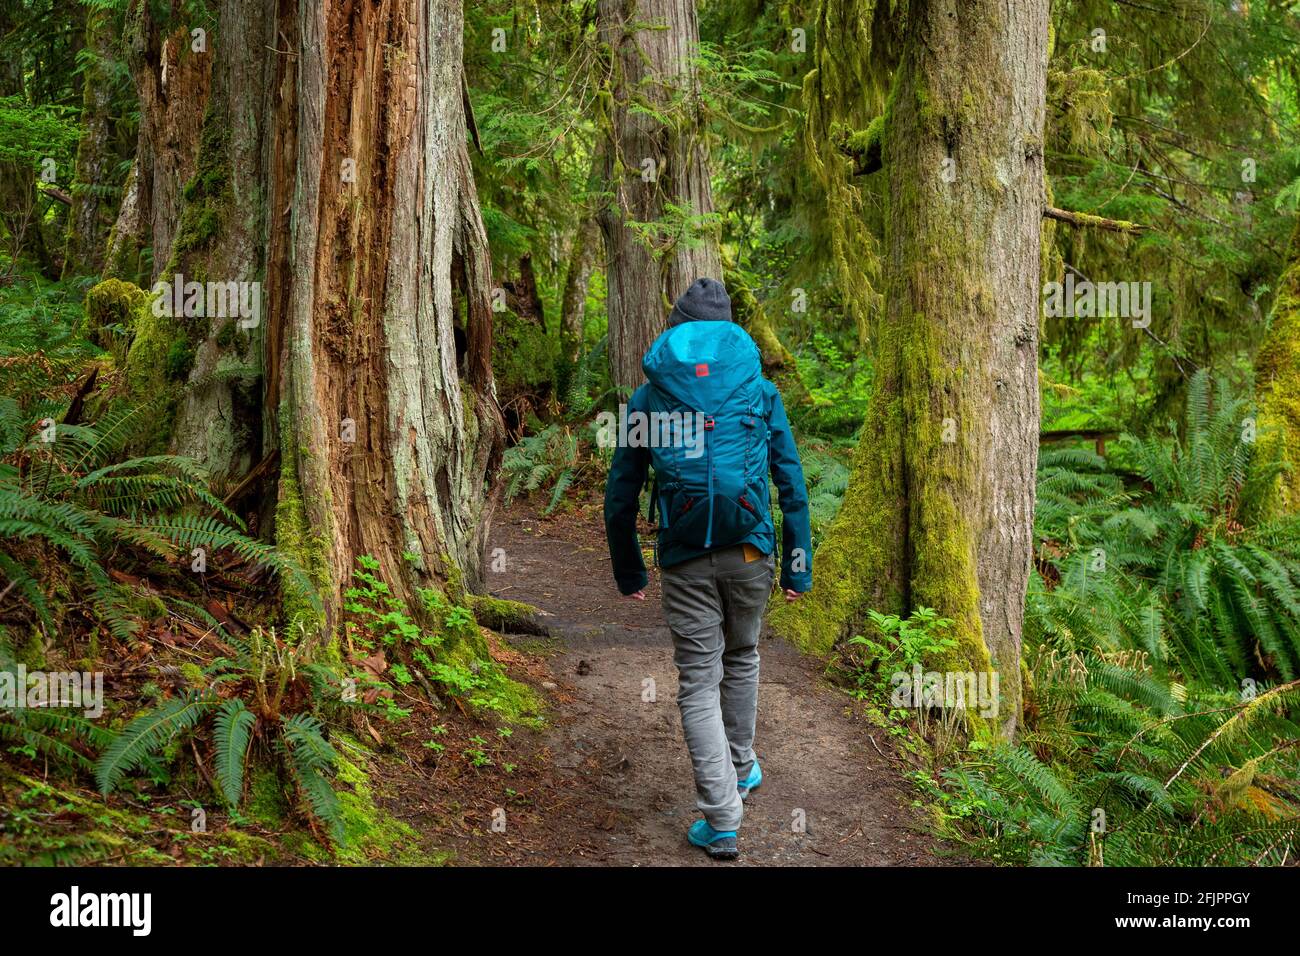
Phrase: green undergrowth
x=443 y=651
x=48 y=823
x=258 y=731
x=1160 y=670
x=368 y=834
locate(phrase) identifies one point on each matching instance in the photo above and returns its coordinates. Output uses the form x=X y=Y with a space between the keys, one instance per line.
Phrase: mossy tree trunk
x=573 y=301
x=1277 y=382
x=940 y=506
x=577 y=278
x=222 y=239
x=778 y=362
x=387 y=444
x=584 y=253
x=649 y=165
x=93 y=199
x=126 y=240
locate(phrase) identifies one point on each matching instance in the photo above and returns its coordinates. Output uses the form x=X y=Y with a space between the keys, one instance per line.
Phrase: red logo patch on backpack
x=701 y=371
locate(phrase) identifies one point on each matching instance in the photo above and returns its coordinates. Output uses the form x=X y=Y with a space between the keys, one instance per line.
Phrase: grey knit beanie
x=705 y=301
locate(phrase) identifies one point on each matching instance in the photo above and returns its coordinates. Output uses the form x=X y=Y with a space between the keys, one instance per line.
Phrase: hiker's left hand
x=791 y=596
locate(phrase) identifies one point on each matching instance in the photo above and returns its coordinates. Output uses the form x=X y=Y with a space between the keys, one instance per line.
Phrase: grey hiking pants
x=714 y=607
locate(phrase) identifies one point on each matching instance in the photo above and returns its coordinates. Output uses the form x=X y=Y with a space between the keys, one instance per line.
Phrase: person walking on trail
x=713 y=429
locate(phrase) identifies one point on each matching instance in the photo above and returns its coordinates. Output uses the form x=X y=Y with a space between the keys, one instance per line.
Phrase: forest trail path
x=625 y=794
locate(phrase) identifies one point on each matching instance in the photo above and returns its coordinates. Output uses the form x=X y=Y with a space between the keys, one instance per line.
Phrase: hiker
x=713 y=428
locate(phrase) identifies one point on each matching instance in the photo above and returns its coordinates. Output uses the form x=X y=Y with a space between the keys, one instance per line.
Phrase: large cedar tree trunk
x=940 y=507
x=648 y=165
x=1277 y=377
x=573 y=302
x=584 y=252
x=378 y=267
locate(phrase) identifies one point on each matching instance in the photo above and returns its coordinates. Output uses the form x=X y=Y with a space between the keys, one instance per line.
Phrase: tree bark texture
x=94 y=197
x=387 y=447
x=172 y=84
x=224 y=229
x=652 y=167
x=940 y=507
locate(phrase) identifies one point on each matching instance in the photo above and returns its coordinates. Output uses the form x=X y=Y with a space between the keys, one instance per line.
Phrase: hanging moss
x=749 y=312
x=845 y=98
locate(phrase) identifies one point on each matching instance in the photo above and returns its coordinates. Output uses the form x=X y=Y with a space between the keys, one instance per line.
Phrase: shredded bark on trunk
x=369 y=334
x=649 y=166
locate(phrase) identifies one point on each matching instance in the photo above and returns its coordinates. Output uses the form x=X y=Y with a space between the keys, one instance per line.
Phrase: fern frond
x=310 y=756
x=232 y=730
x=147 y=734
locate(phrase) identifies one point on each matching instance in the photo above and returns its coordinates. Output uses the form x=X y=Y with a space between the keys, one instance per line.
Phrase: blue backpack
x=708 y=438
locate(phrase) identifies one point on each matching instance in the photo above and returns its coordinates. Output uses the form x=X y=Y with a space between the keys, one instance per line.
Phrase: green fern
x=1148 y=608
x=266 y=676
x=1189 y=567
x=232 y=730
x=58 y=734
x=556 y=456
x=582 y=390
x=147 y=734
x=73 y=497
x=310 y=756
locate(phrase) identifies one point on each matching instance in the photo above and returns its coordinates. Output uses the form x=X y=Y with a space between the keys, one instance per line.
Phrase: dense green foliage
x=266 y=676
x=85 y=525
x=1162 y=646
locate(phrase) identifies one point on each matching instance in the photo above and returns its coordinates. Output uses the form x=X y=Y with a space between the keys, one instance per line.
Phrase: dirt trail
x=619 y=790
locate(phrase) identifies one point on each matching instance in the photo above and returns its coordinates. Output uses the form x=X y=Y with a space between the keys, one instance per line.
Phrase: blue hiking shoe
x=718 y=844
x=751 y=782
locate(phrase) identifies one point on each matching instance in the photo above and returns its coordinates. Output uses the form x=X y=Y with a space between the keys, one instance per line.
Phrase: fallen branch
x=1066 y=434
x=1098 y=435
x=73 y=415
x=508 y=617
x=1096 y=222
